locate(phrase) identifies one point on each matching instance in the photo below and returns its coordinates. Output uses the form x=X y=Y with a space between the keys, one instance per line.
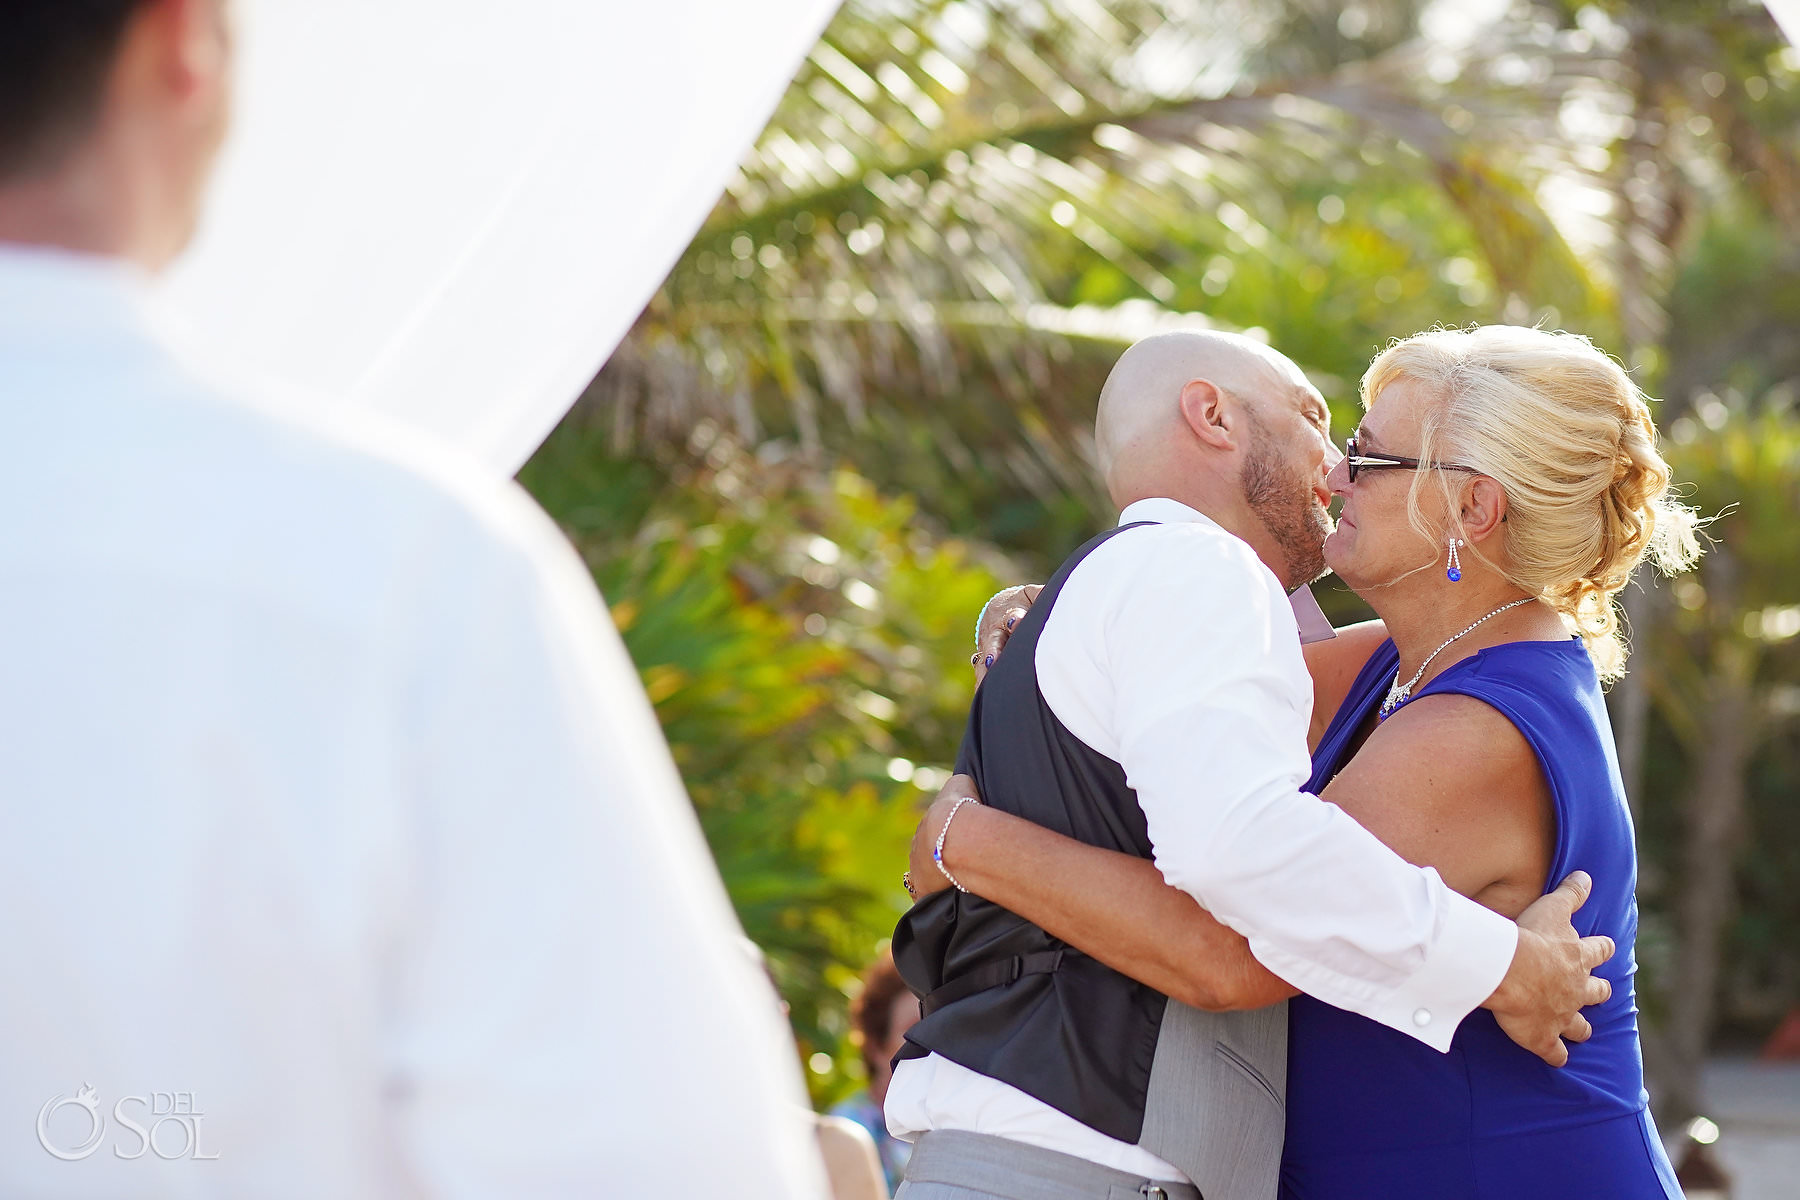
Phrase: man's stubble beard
x=1281 y=496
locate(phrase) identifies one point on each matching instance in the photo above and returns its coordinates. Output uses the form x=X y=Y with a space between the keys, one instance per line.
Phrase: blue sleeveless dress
x=1375 y=1115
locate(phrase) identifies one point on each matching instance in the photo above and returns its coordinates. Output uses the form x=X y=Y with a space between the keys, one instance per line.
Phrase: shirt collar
x=46 y=292
x=1309 y=618
x=1164 y=511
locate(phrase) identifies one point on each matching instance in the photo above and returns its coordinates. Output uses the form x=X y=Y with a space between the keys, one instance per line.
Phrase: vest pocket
x=1245 y=1067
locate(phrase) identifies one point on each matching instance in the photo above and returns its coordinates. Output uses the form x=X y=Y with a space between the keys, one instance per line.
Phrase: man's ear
x=1483 y=509
x=187 y=43
x=1209 y=414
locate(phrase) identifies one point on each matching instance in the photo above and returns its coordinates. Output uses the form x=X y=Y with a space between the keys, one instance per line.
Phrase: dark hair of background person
x=54 y=60
x=872 y=1012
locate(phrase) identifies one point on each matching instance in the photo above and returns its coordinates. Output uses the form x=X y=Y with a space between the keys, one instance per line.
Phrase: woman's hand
x=922 y=869
x=998 y=620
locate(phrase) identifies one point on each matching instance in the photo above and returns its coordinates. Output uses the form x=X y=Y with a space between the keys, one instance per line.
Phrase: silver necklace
x=1400 y=693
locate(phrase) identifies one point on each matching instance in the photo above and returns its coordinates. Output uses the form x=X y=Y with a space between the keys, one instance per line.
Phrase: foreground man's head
x=111 y=116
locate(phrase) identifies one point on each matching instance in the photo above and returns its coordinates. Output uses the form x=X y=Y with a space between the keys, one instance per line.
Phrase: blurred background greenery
x=861 y=400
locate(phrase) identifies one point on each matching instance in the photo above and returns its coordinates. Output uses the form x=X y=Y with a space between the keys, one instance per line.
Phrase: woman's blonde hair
x=1568 y=436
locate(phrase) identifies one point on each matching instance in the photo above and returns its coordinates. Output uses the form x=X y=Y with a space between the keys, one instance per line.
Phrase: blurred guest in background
x=852 y=1168
x=884 y=1010
x=339 y=834
x=851 y=1165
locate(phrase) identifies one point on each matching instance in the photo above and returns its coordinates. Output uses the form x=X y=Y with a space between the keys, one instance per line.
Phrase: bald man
x=1154 y=701
x=1233 y=396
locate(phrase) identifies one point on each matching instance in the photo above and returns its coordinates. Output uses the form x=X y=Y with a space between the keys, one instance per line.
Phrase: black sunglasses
x=1355 y=462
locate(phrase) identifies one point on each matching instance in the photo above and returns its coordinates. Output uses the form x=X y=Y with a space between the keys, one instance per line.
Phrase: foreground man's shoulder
x=389 y=479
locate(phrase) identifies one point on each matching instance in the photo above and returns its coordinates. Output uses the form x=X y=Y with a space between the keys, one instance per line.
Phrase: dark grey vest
x=1204 y=1091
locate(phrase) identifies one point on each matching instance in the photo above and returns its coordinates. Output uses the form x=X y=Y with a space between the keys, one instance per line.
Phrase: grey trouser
x=948 y=1164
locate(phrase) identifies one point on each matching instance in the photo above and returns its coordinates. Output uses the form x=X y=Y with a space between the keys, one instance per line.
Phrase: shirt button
x=1422 y=1018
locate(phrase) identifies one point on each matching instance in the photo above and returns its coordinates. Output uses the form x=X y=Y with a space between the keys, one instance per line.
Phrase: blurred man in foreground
x=343 y=855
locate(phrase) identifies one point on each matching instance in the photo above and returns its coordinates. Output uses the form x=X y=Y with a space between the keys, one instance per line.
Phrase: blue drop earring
x=1454 y=574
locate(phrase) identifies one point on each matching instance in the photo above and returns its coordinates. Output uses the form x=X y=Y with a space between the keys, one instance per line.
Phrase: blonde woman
x=1500 y=489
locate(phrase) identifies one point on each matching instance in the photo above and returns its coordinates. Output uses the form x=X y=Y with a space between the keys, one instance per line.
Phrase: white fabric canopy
x=1787 y=15
x=452 y=210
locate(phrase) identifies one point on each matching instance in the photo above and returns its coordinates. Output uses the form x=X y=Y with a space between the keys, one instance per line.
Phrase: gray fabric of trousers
x=948 y=1164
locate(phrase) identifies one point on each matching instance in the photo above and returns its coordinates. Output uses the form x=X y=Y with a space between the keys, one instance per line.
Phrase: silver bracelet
x=937 y=852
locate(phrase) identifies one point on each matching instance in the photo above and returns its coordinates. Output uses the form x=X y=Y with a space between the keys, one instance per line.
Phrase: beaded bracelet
x=937 y=852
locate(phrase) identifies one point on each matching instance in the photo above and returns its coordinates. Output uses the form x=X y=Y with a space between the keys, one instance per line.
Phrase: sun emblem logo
x=86 y=1099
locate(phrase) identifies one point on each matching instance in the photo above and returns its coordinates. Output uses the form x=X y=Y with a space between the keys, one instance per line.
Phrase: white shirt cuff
x=1470 y=956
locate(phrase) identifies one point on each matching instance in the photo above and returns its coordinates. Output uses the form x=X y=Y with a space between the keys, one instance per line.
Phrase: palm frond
x=956 y=191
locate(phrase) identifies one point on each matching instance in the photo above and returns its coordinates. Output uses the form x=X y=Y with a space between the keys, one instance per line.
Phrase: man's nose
x=1333 y=456
x=1338 y=477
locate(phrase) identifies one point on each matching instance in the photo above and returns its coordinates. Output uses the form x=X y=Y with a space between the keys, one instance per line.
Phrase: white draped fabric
x=452 y=210
x=1787 y=15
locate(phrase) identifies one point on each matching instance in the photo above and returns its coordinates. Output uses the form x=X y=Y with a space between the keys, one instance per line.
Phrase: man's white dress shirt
x=340 y=852
x=1172 y=650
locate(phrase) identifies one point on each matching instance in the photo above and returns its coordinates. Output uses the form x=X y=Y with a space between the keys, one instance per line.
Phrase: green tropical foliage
x=861 y=400
x=803 y=639
x=962 y=209
x=1721 y=660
